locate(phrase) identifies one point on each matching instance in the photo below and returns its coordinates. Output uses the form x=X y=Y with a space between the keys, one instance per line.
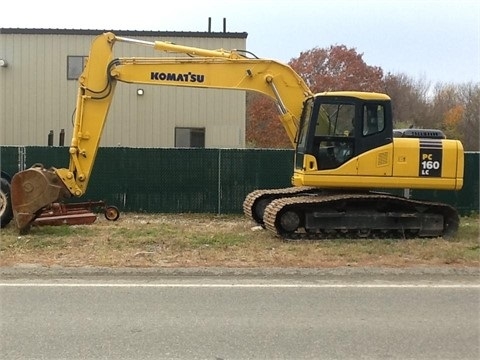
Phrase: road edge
x=36 y=271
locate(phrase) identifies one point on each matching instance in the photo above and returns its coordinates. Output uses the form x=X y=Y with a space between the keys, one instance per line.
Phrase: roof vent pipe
x=224 y=25
x=209 y=24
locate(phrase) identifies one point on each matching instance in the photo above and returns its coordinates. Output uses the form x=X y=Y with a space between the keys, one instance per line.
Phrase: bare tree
x=470 y=126
x=410 y=103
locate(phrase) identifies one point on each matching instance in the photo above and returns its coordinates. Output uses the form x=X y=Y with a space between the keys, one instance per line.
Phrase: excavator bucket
x=31 y=191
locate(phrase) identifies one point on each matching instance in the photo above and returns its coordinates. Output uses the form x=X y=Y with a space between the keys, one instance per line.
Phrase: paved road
x=244 y=315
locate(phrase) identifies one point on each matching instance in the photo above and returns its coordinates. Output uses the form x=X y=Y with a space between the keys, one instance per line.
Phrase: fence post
x=219 y=185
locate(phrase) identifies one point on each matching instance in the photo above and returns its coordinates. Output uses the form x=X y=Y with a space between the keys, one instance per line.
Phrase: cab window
x=373 y=119
x=335 y=119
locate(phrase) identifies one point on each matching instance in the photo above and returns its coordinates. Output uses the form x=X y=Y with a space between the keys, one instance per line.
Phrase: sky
x=435 y=41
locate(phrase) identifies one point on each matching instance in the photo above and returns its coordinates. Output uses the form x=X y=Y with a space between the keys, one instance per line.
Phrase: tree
x=410 y=104
x=264 y=129
x=330 y=69
x=337 y=68
x=447 y=109
x=457 y=108
x=451 y=121
x=470 y=125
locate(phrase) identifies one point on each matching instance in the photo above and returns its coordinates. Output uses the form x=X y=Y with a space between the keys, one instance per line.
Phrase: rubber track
x=276 y=206
x=277 y=193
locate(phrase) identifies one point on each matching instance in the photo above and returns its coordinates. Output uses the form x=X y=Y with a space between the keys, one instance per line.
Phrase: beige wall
x=36 y=97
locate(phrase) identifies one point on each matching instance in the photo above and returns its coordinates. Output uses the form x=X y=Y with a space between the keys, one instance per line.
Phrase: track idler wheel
x=288 y=222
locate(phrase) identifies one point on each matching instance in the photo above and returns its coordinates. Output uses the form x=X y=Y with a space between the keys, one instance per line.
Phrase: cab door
x=374 y=139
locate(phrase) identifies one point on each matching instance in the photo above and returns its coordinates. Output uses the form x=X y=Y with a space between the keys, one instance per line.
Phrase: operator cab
x=336 y=127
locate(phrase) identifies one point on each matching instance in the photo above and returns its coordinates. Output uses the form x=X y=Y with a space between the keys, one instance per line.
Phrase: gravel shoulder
x=31 y=271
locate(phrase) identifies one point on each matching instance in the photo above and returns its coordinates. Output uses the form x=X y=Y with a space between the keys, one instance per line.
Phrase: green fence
x=199 y=180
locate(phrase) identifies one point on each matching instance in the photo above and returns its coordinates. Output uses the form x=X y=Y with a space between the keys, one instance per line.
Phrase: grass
x=193 y=240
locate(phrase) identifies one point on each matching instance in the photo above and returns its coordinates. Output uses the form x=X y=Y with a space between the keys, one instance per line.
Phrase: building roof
x=156 y=33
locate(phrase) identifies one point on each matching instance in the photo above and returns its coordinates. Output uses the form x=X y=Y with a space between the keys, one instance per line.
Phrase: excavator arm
x=36 y=188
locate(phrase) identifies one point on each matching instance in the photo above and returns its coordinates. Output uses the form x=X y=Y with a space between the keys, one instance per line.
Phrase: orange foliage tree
x=330 y=69
x=337 y=68
x=447 y=109
x=451 y=121
x=264 y=129
x=457 y=110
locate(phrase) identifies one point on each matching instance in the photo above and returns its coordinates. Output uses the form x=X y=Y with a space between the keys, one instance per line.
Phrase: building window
x=75 y=65
x=189 y=137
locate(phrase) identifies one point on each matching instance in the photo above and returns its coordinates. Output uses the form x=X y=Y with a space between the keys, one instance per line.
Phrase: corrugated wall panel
x=152 y=118
x=37 y=97
x=7 y=128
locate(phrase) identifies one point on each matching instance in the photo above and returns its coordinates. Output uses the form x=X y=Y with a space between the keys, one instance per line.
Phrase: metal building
x=38 y=87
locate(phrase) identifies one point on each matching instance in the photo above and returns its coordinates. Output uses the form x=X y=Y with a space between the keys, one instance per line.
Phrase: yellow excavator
x=347 y=155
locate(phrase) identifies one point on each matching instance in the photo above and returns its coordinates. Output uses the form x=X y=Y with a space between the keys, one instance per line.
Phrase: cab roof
x=356 y=94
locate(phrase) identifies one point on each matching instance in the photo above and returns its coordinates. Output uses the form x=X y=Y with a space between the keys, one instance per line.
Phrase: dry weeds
x=199 y=240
